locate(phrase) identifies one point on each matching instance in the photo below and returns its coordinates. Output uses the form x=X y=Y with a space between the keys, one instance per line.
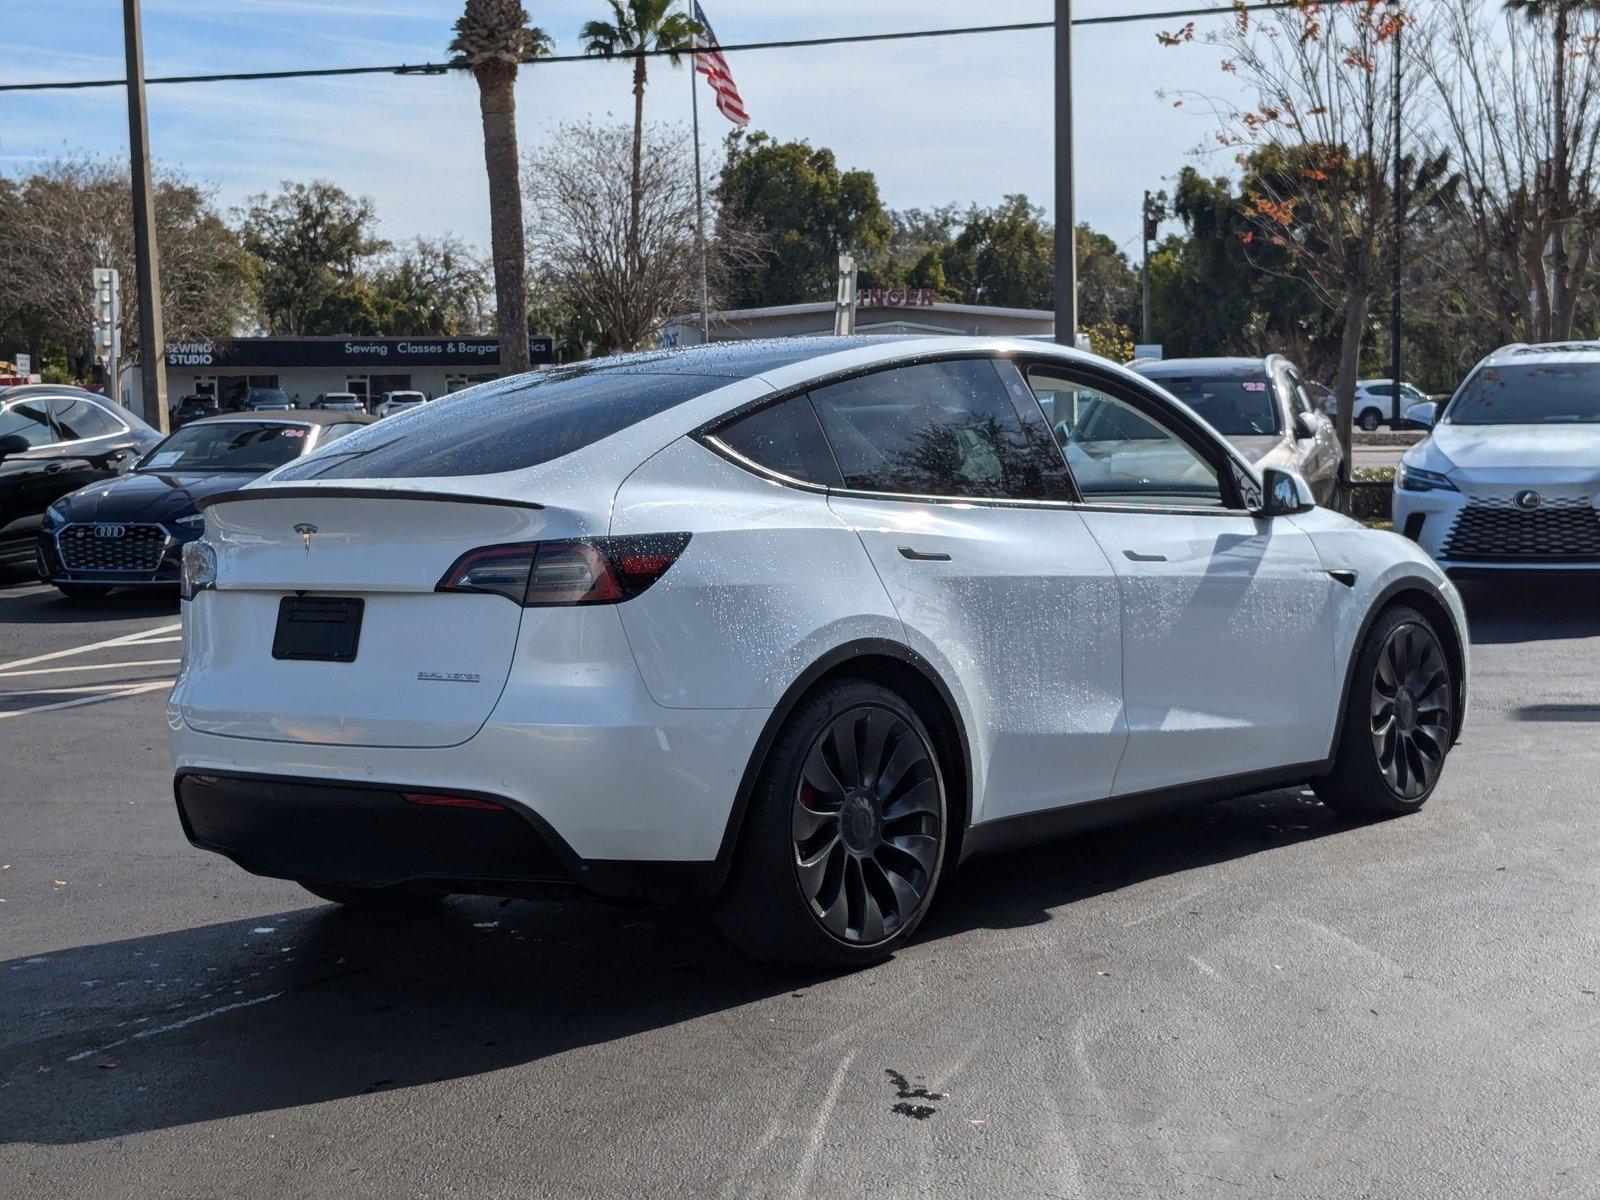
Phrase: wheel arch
x=911 y=675
x=1417 y=594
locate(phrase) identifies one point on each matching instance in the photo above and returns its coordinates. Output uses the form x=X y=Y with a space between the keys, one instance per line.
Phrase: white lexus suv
x=798 y=625
x=1509 y=479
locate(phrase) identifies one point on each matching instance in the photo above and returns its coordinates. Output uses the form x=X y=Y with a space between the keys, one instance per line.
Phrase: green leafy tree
x=314 y=242
x=806 y=212
x=435 y=286
x=1003 y=256
x=493 y=37
x=639 y=27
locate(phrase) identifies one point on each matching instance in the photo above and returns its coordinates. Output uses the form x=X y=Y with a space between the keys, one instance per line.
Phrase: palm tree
x=492 y=39
x=1559 y=303
x=638 y=27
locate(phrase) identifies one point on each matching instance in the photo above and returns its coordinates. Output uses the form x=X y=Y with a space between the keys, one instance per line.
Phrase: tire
x=1370 y=419
x=81 y=592
x=844 y=842
x=1392 y=750
x=375 y=900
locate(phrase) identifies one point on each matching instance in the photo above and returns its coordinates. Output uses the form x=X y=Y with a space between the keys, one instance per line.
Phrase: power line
x=441 y=68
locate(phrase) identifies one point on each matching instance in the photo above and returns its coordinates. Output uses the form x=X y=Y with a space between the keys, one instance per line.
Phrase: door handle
x=52 y=468
x=923 y=555
x=1135 y=556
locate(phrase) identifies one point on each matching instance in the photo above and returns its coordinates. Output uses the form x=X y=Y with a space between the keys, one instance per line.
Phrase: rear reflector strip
x=429 y=800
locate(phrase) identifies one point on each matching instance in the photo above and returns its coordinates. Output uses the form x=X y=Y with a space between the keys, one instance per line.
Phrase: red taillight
x=430 y=800
x=605 y=570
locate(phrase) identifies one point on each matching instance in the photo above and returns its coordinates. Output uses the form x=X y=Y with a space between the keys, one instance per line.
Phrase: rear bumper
x=372 y=836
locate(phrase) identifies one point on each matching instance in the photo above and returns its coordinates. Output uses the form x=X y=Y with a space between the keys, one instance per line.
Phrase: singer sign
x=894 y=298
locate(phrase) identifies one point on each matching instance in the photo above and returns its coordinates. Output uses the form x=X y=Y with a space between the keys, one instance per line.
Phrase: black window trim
x=1219 y=456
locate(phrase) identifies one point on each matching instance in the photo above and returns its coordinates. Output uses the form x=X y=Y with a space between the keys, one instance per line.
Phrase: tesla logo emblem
x=1527 y=501
x=110 y=531
x=305 y=531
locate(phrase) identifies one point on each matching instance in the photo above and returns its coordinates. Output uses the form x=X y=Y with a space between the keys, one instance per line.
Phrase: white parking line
x=143 y=662
x=86 y=689
x=144 y=637
x=135 y=690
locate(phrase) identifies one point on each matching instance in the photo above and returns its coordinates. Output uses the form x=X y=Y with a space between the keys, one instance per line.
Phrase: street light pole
x=147 y=269
x=1144 y=272
x=1397 y=277
x=1066 y=281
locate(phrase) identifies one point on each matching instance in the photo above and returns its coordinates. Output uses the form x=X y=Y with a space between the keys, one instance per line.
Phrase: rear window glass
x=1235 y=404
x=934 y=429
x=785 y=438
x=503 y=426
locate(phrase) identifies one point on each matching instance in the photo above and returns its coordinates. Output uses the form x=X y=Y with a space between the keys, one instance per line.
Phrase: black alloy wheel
x=1399 y=720
x=843 y=846
x=866 y=823
x=1410 y=710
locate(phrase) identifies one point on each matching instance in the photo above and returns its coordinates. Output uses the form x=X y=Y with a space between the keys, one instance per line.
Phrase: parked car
x=1374 y=402
x=797 y=624
x=130 y=532
x=1509 y=479
x=1262 y=406
x=266 y=400
x=339 y=402
x=399 y=402
x=192 y=408
x=54 y=440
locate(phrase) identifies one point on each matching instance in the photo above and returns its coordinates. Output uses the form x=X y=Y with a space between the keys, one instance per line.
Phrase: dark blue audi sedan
x=129 y=531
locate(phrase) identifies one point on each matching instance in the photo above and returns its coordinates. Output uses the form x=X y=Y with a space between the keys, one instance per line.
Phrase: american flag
x=709 y=62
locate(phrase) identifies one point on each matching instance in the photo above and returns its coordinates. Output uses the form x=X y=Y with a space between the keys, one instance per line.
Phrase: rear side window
x=932 y=429
x=27 y=420
x=785 y=438
x=79 y=419
x=503 y=426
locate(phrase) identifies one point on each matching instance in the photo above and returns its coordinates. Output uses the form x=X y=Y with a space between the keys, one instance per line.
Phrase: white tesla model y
x=799 y=625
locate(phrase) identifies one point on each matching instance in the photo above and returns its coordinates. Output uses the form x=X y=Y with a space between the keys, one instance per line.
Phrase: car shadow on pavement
x=27 y=602
x=1531 y=607
x=317 y=1004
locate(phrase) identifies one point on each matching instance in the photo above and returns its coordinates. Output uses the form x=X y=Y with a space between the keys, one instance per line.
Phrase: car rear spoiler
x=315 y=492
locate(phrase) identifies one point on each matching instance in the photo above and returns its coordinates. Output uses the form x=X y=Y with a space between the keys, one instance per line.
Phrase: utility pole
x=1147 y=226
x=147 y=269
x=1397 y=277
x=1066 y=281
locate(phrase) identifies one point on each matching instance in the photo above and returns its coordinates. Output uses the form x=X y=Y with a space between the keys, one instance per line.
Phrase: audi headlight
x=192 y=521
x=56 y=515
x=1415 y=479
x=199 y=569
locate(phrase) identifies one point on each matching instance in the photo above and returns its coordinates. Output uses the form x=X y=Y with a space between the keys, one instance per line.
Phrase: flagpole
x=699 y=205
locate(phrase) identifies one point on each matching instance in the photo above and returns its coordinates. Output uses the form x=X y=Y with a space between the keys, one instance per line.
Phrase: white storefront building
x=308 y=366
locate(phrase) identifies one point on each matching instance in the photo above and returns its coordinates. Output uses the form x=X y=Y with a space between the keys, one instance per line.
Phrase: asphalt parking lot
x=1257 y=998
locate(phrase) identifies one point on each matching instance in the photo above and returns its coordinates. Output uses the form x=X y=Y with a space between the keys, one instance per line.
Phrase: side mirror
x=1302 y=427
x=1284 y=493
x=1422 y=415
x=14 y=444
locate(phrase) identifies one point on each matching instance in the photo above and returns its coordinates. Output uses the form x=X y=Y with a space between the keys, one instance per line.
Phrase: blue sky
x=962 y=120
